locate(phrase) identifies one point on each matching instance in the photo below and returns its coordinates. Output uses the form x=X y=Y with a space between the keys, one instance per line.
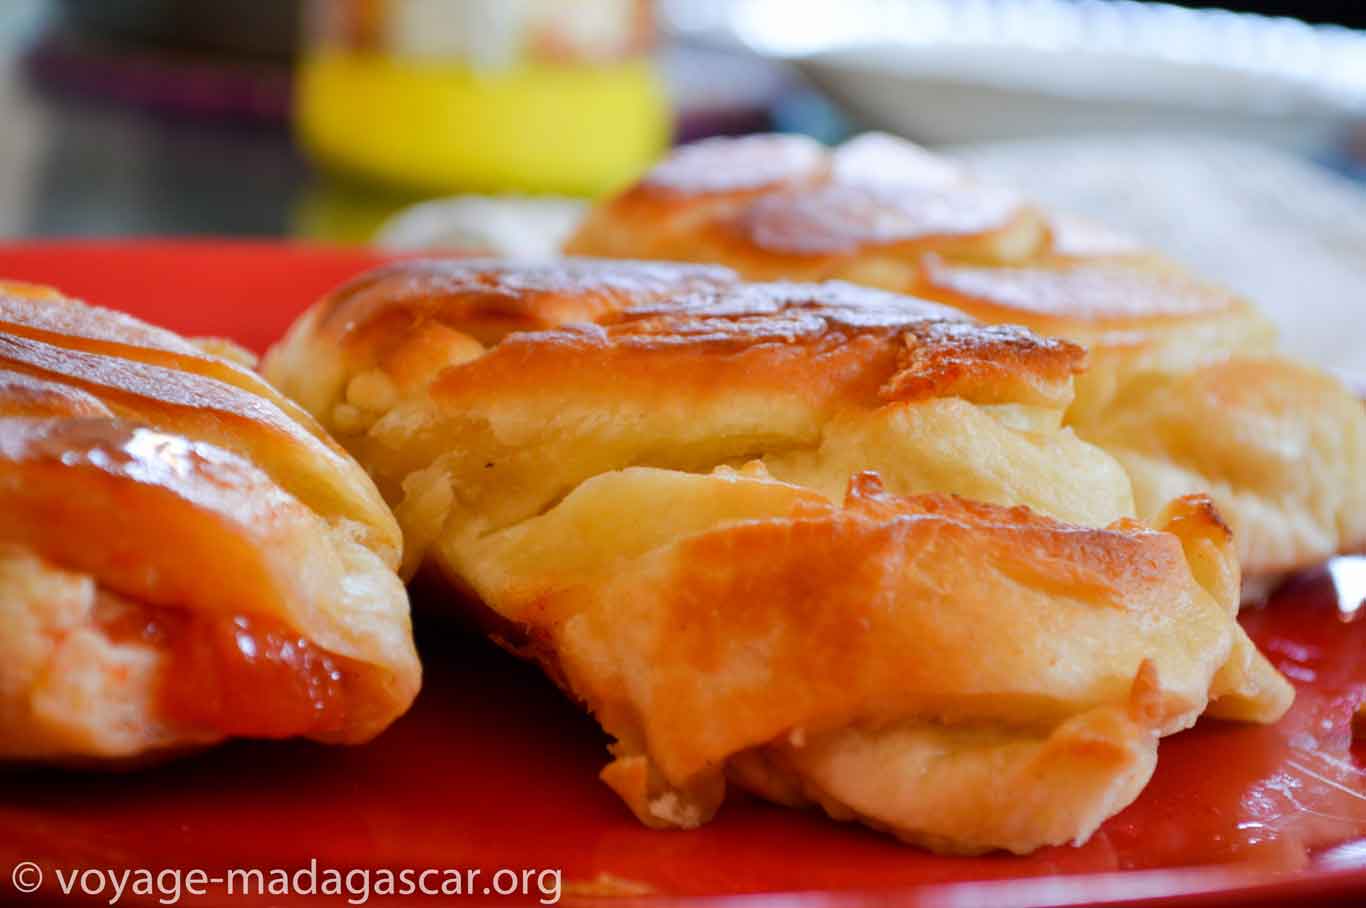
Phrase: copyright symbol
x=27 y=877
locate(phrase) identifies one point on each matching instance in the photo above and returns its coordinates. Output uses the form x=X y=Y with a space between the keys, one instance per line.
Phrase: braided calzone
x=822 y=542
x=1184 y=384
x=185 y=556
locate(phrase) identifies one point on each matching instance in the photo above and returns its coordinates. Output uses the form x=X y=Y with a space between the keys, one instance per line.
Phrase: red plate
x=494 y=770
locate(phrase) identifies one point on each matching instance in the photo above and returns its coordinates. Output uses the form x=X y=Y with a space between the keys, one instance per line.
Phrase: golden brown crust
x=409 y=321
x=707 y=182
x=1186 y=391
x=1086 y=294
x=652 y=499
x=99 y=462
x=24 y=395
x=771 y=363
x=846 y=218
x=837 y=593
x=660 y=313
x=152 y=379
x=881 y=212
x=490 y=299
x=816 y=219
x=116 y=436
x=878 y=616
x=836 y=342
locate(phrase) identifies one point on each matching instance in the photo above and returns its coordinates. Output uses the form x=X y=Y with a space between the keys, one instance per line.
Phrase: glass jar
x=440 y=96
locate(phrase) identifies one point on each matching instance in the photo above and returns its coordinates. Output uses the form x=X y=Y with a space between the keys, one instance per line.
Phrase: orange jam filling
x=239 y=675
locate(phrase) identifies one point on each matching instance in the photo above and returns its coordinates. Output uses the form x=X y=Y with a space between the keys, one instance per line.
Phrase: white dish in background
x=943 y=71
x=930 y=95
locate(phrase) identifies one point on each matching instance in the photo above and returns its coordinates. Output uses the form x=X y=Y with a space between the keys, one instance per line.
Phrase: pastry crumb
x=607 y=885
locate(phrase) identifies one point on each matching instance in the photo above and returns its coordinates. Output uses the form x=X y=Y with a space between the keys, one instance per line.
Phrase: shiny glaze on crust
x=1097 y=292
x=789 y=196
x=134 y=387
x=201 y=474
x=24 y=395
x=66 y=323
x=60 y=475
x=890 y=346
x=61 y=316
x=489 y=299
x=142 y=374
x=844 y=218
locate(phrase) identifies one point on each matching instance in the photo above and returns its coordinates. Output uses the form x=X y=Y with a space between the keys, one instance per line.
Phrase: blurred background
x=321 y=119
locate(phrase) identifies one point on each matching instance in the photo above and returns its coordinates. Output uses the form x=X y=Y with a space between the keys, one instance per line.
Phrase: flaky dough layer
x=823 y=542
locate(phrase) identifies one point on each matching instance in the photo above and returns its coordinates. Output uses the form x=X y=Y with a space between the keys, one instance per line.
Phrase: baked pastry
x=184 y=554
x=823 y=542
x=1184 y=385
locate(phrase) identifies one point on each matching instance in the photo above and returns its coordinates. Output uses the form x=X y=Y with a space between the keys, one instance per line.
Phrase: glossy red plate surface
x=494 y=769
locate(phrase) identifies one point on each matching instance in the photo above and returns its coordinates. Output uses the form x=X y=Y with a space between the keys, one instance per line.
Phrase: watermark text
x=354 y=886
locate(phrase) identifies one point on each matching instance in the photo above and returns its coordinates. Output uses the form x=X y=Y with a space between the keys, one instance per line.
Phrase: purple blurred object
x=180 y=58
x=173 y=83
